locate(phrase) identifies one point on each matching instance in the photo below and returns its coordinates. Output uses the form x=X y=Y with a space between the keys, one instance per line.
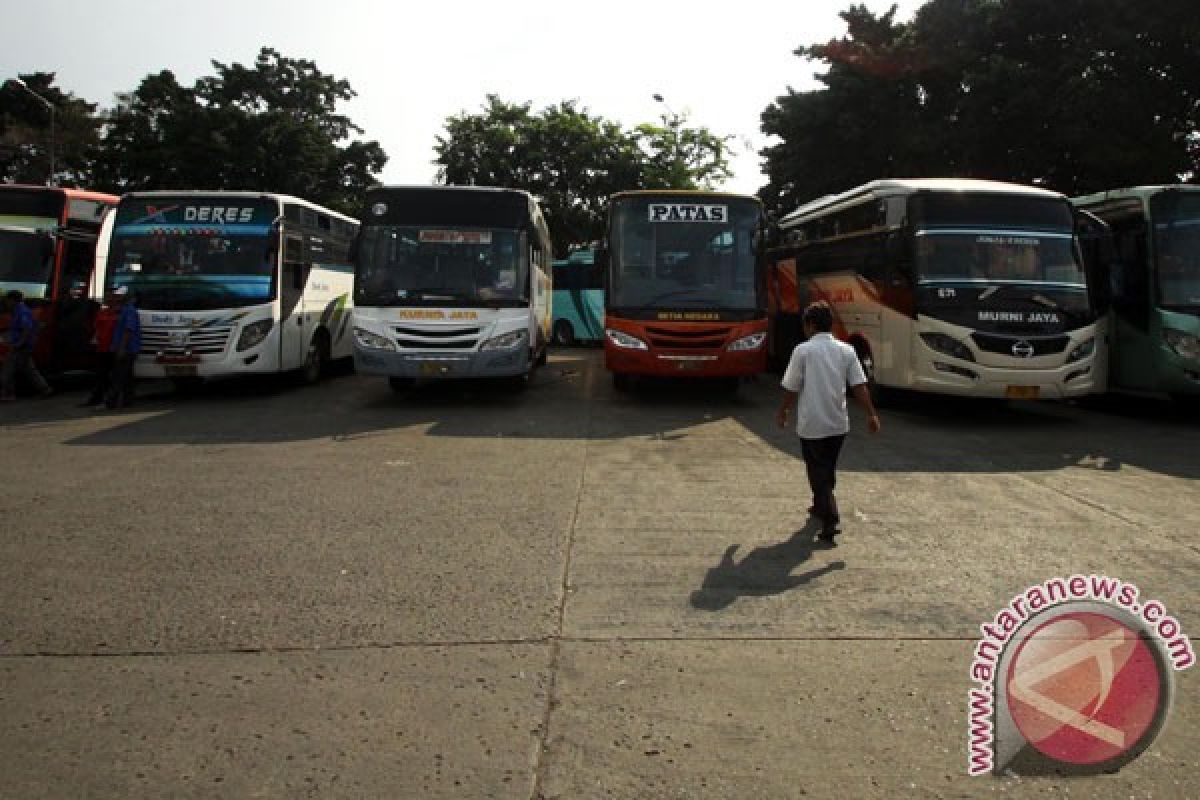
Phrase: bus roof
x=903 y=186
x=630 y=193
x=1143 y=191
x=486 y=206
x=285 y=198
x=66 y=191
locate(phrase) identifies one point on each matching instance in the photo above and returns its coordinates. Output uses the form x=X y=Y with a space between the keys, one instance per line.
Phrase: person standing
x=815 y=383
x=21 y=339
x=106 y=322
x=125 y=346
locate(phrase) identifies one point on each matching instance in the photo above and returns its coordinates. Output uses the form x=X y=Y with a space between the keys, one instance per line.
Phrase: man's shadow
x=764 y=571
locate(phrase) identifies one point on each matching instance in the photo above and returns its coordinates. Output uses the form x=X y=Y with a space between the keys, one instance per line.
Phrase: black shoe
x=826 y=535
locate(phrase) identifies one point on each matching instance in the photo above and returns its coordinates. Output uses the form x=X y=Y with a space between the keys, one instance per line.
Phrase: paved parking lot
x=269 y=591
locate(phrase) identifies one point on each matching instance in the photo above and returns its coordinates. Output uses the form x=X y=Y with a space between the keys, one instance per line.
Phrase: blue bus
x=578 y=298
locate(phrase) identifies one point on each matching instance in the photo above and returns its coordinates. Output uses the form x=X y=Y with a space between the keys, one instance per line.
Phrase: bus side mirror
x=46 y=246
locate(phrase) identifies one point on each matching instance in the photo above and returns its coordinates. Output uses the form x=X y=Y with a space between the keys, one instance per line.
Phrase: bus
x=685 y=290
x=578 y=298
x=1155 y=281
x=233 y=283
x=952 y=286
x=48 y=241
x=452 y=282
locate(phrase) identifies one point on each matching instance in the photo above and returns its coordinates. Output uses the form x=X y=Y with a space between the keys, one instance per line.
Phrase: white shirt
x=820 y=371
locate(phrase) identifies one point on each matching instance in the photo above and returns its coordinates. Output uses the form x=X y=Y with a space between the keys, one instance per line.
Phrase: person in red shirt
x=106 y=321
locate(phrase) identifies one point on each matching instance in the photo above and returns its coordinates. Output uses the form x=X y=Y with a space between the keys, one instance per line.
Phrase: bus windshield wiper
x=660 y=297
x=436 y=293
x=1042 y=300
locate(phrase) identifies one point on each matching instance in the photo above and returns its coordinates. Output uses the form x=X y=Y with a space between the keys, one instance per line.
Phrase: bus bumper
x=442 y=365
x=947 y=376
x=709 y=362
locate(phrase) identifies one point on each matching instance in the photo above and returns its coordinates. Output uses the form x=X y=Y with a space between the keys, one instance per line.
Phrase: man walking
x=815 y=385
x=21 y=339
x=126 y=344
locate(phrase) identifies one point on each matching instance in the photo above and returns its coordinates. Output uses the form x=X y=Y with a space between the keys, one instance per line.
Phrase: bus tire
x=316 y=360
x=564 y=334
x=542 y=356
x=517 y=383
x=186 y=386
x=879 y=394
x=401 y=385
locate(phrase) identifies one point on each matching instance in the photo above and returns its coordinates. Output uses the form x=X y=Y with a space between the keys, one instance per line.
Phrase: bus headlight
x=254 y=333
x=1082 y=351
x=372 y=341
x=624 y=340
x=947 y=345
x=1186 y=345
x=751 y=342
x=504 y=341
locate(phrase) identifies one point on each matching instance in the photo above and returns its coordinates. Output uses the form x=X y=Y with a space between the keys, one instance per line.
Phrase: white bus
x=451 y=282
x=953 y=286
x=233 y=283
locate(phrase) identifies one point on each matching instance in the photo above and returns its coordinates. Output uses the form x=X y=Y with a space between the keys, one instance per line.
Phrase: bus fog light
x=1184 y=344
x=1082 y=350
x=947 y=345
x=751 y=342
x=624 y=340
x=254 y=333
x=504 y=341
x=955 y=370
x=372 y=341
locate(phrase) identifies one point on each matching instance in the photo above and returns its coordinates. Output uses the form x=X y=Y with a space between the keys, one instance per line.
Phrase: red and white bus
x=48 y=252
x=685 y=293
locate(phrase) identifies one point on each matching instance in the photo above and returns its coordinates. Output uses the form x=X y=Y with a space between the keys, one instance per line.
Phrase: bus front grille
x=1004 y=345
x=408 y=338
x=208 y=341
x=695 y=339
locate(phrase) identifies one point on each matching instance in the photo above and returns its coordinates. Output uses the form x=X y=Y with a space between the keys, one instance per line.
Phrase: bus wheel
x=564 y=334
x=316 y=360
x=542 y=357
x=401 y=385
x=517 y=383
x=879 y=394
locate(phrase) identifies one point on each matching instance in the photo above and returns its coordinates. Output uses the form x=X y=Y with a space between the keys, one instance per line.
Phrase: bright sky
x=414 y=64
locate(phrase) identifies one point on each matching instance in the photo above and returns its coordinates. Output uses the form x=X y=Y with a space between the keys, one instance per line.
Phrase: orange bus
x=685 y=292
x=48 y=251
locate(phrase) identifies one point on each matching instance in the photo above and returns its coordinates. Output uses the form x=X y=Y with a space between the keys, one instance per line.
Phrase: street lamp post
x=50 y=106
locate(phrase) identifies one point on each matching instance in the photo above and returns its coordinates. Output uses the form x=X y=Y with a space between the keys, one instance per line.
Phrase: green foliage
x=573 y=161
x=272 y=127
x=25 y=133
x=1075 y=95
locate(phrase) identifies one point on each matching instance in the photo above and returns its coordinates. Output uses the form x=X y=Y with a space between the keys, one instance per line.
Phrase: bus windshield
x=682 y=253
x=1177 y=243
x=26 y=261
x=995 y=239
x=412 y=265
x=195 y=252
x=193 y=271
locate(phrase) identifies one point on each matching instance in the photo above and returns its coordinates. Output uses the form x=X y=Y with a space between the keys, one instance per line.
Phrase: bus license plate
x=180 y=370
x=1022 y=392
x=434 y=368
x=688 y=365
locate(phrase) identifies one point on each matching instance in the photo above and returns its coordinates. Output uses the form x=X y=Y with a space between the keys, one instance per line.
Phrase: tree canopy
x=572 y=160
x=26 y=134
x=1075 y=95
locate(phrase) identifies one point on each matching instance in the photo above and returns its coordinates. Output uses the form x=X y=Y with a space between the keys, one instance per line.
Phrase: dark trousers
x=20 y=363
x=120 y=385
x=104 y=368
x=820 y=458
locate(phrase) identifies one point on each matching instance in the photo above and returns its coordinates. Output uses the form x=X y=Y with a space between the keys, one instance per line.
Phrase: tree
x=25 y=132
x=270 y=127
x=1074 y=95
x=572 y=161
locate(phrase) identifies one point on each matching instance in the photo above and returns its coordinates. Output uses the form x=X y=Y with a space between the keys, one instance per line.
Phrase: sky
x=415 y=64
